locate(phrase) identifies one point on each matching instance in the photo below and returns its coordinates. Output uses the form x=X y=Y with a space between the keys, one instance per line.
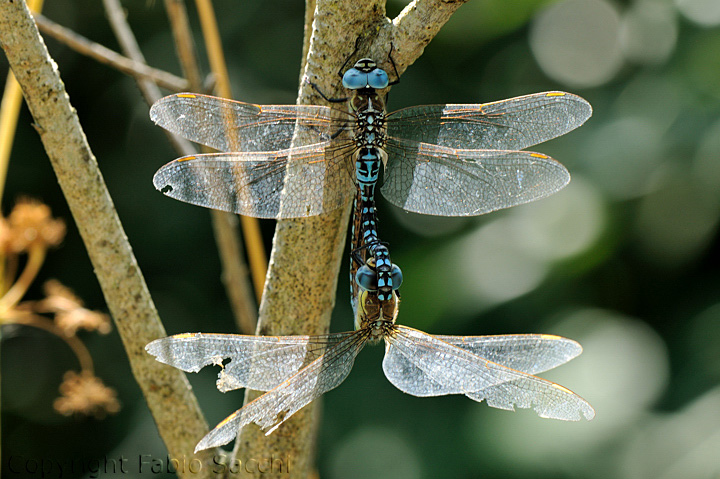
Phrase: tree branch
x=414 y=27
x=175 y=410
x=104 y=55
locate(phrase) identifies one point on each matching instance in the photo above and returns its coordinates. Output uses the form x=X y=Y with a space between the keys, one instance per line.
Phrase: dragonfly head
x=365 y=75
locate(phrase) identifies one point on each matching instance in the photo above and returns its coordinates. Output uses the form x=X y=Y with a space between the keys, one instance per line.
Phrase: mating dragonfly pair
x=295 y=160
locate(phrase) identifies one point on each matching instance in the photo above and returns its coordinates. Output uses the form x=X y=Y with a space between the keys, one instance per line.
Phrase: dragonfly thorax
x=369 y=111
x=375 y=316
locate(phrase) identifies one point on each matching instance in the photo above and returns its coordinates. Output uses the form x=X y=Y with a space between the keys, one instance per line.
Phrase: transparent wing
x=422 y=365
x=293 y=183
x=256 y=362
x=279 y=404
x=228 y=125
x=528 y=353
x=512 y=124
x=435 y=180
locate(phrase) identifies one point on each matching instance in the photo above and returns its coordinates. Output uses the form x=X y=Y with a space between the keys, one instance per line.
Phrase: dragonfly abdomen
x=367 y=171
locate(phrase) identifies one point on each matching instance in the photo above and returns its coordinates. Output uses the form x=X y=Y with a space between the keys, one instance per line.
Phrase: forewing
x=511 y=124
x=529 y=353
x=278 y=405
x=228 y=125
x=434 y=180
x=256 y=362
x=298 y=182
x=459 y=371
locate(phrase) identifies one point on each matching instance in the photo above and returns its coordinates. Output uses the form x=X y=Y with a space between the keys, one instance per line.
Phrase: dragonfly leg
x=324 y=97
x=342 y=69
x=356 y=255
x=392 y=62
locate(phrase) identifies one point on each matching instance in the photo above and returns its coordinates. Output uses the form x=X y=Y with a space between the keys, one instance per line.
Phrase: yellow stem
x=9 y=269
x=36 y=257
x=9 y=112
x=257 y=256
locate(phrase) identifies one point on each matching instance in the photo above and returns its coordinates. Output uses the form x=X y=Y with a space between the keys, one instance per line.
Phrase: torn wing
x=256 y=362
x=292 y=183
x=276 y=406
x=422 y=365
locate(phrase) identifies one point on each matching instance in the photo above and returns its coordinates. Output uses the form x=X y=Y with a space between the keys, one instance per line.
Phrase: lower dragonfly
x=295 y=370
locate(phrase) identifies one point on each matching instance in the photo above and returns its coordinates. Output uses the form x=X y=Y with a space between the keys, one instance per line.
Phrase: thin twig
x=150 y=91
x=257 y=257
x=104 y=55
x=238 y=288
x=78 y=348
x=184 y=45
x=234 y=270
x=235 y=273
x=166 y=389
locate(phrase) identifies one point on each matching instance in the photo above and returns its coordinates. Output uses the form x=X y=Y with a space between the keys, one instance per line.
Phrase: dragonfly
x=290 y=161
x=364 y=80
x=295 y=370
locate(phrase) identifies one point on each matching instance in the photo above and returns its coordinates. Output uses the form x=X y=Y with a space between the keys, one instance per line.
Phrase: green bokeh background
x=625 y=260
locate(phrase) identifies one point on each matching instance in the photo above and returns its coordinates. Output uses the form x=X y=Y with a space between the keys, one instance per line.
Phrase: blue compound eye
x=396 y=276
x=354 y=79
x=366 y=278
x=378 y=79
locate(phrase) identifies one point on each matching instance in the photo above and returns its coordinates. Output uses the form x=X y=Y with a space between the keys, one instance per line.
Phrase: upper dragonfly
x=288 y=161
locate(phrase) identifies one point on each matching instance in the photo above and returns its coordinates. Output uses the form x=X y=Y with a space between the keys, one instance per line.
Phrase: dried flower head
x=70 y=315
x=81 y=318
x=30 y=223
x=85 y=394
